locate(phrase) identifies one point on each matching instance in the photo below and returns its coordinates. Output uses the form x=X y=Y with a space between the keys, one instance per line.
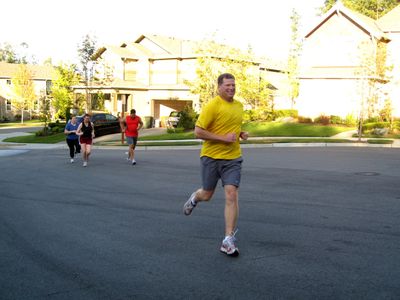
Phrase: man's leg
x=228 y=245
x=133 y=146
x=197 y=196
x=231 y=208
x=203 y=195
x=131 y=152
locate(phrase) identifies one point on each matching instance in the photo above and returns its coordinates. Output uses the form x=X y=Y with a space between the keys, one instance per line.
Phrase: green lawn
x=169 y=136
x=27 y=139
x=292 y=129
x=263 y=129
x=27 y=123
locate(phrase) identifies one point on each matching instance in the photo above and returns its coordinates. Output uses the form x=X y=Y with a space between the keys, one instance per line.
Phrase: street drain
x=367 y=173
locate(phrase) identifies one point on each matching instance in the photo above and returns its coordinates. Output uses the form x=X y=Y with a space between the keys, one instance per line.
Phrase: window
x=48 y=87
x=111 y=118
x=9 y=81
x=8 y=105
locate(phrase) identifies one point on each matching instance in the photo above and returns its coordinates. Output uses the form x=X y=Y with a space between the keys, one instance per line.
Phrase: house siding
x=149 y=75
x=339 y=56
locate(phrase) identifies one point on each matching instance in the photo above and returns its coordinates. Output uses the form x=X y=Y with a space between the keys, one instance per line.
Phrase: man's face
x=227 y=89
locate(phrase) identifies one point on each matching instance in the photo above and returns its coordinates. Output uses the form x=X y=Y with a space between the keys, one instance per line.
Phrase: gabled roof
x=391 y=21
x=171 y=46
x=39 y=72
x=363 y=22
x=174 y=48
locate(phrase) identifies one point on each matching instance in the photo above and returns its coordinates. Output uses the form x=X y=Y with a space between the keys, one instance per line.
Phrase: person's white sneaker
x=85 y=163
x=72 y=160
x=190 y=204
x=133 y=162
x=228 y=245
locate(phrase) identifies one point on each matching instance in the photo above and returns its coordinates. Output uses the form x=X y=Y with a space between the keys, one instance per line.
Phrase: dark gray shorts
x=131 y=140
x=228 y=170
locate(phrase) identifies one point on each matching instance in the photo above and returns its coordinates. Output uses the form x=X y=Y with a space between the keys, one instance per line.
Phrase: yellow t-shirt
x=221 y=117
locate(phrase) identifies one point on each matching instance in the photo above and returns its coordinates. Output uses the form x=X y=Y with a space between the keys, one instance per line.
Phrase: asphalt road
x=315 y=223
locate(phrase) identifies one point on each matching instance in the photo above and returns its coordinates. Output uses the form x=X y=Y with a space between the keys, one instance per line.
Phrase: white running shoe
x=72 y=160
x=228 y=245
x=133 y=162
x=190 y=204
x=85 y=163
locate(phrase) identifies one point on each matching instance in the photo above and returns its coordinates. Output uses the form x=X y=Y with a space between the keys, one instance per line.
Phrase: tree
x=293 y=59
x=86 y=49
x=374 y=74
x=7 y=54
x=23 y=92
x=371 y=8
x=20 y=56
x=63 y=96
x=215 y=59
x=44 y=112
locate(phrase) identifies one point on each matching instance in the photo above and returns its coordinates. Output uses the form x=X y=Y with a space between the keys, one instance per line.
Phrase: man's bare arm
x=203 y=134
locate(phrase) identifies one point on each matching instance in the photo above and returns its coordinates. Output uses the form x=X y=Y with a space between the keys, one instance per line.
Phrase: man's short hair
x=225 y=76
x=133 y=111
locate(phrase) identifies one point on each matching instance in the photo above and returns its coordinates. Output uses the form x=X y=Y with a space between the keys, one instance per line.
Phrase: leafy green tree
x=63 y=96
x=374 y=74
x=7 y=53
x=293 y=59
x=371 y=8
x=44 y=112
x=86 y=49
x=215 y=59
x=16 y=56
x=23 y=91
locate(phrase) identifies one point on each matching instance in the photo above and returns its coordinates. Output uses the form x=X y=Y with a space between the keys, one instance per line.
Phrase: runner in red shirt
x=131 y=126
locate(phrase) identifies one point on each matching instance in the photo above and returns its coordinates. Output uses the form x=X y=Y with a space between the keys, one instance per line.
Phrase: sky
x=55 y=28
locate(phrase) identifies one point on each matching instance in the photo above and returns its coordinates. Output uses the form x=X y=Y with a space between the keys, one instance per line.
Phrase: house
x=41 y=77
x=343 y=62
x=149 y=75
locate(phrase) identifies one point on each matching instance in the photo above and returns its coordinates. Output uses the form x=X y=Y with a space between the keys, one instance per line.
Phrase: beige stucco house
x=149 y=75
x=41 y=77
x=338 y=64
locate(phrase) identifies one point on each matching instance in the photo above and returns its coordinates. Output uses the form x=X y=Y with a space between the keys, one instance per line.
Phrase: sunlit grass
x=379 y=141
x=169 y=136
x=292 y=129
x=295 y=140
x=32 y=138
x=27 y=123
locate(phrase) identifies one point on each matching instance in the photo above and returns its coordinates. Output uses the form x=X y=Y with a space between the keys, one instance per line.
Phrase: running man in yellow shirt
x=219 y=125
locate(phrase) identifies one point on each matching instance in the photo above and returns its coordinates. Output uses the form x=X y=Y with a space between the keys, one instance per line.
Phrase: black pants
x=74 y=147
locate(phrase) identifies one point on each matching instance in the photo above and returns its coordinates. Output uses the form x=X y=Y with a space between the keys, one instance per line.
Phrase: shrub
x=322 y=119
x=188 y=118
x=257 y=115
x=336 y=120
x=396 y=125
x=374 y=125
x=304 y=120
x=283 y=113
x=44 y=132
x=350 y=120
